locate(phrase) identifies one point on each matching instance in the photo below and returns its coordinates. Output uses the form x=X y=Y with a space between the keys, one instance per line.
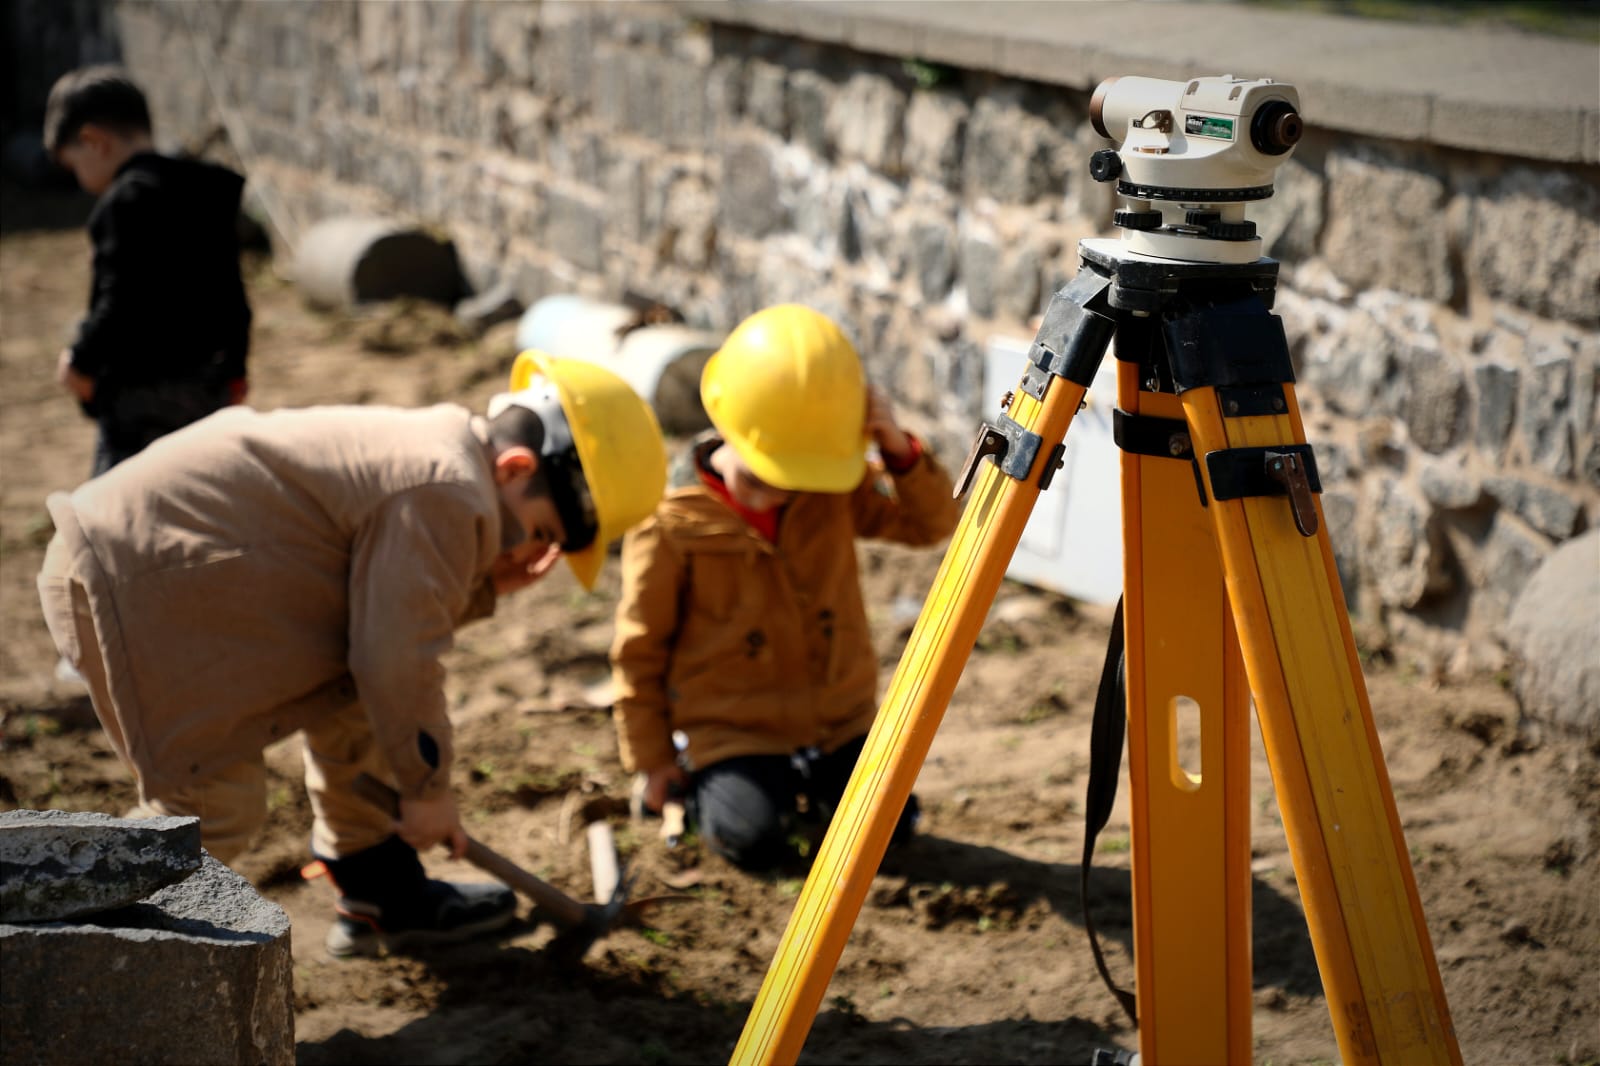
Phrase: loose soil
x=970 y=947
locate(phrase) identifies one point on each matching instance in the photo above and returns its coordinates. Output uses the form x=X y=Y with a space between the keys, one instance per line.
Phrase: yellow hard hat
x=786 y=391
x=618 y=443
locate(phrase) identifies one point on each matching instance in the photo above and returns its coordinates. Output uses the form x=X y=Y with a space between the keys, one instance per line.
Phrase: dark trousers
x=134 y=416
x=745 y=808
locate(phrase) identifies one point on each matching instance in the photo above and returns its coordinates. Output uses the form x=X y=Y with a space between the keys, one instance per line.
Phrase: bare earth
x=971 y=945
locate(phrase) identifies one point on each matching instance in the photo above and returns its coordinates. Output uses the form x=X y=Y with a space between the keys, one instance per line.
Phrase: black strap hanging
x=1105 y=759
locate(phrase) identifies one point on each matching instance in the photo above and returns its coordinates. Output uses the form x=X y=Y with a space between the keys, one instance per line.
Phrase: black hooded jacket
x=167 y=301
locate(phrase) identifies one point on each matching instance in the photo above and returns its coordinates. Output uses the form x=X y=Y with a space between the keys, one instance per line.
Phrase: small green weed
x=1114 y=845
x=926 y=74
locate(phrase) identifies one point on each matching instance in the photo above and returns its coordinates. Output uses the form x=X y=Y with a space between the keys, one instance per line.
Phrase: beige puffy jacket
x=252 y=571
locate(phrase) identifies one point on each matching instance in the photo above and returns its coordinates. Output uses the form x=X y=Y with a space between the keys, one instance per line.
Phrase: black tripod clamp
x=1070 y=344
x=1188 y=325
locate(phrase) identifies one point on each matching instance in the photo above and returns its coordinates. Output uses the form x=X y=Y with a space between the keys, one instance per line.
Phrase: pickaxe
x=581 y=923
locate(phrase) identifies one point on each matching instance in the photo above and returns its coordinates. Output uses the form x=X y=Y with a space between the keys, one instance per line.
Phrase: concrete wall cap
x=1478 y=88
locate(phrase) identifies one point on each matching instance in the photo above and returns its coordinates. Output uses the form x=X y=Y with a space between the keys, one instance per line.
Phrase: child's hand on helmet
x=893 y=442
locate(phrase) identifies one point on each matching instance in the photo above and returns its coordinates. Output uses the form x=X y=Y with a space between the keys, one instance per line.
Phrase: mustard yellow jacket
x=751 y=647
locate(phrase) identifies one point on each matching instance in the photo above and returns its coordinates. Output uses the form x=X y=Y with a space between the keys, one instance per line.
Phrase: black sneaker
x=444 y=912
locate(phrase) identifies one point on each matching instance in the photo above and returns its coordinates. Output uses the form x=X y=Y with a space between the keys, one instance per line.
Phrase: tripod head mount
x=1193 y=154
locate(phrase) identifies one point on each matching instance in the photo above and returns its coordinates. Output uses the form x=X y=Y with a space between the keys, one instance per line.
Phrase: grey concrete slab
x=1492 y=90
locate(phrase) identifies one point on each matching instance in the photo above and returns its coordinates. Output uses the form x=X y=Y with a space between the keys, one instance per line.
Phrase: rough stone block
x=724 y=91
x=1546 y=404
x=749 y=202
x=1509 y=556
x=60 y=864
x=1339 y=508
x=575 y=229
x=1020 y=271
x=1012 y=154
x=1291 y=220
x=1093 y=202
x=1497 y=405
x=1435 y=403
x=936 y=125
x=1549 y=510
x=865 y=122
x=564 y=56
x=809 y=101
x=1535 y=241
x=378 y=36
x=1384 y=226
x=1550 y=634
x=1448 y=486
x=1405 y=555
x=200 y=972
x=1351 y=364
x=980 y=262
x=934 y=256
x=1585 y=380
x=876 y=227
x=624 y=186
x=688 y=223
x=764 y=96
x=1334 y=463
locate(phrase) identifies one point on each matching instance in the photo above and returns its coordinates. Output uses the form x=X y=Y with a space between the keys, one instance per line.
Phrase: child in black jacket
x=168 y=328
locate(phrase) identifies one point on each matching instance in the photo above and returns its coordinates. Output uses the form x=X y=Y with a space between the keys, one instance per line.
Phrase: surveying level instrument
x=1230 y=591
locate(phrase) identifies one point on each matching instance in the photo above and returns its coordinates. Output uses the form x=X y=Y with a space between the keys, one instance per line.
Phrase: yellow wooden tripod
x=1230 y=591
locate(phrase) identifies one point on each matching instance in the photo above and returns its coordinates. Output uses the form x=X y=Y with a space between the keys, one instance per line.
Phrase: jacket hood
x=207 y=186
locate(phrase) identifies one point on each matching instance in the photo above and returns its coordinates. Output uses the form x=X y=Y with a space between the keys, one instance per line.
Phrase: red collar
x=763 y=522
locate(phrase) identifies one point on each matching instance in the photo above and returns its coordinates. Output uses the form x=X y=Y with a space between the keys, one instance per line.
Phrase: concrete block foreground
x=200 y=971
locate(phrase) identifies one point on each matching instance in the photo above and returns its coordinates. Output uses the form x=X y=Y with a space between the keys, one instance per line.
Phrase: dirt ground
x=970 y=948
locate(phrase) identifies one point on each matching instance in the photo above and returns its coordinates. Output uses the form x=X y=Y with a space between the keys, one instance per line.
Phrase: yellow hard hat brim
x=618 y=442
x=586 y=564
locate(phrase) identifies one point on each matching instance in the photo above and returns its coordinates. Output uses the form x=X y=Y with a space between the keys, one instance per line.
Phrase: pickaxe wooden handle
x=567 y=911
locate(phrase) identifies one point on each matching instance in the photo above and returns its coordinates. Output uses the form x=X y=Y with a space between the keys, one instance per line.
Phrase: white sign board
x=1073 y=541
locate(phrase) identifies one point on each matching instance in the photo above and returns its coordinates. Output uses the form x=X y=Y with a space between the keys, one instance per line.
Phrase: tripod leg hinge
x=1013 y=448
x=1282 y=470
x=1072 y=337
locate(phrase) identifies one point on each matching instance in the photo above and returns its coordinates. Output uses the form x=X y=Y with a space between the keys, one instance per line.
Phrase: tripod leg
x=1350 y=857
x=1071 y=343
x=1188 y=750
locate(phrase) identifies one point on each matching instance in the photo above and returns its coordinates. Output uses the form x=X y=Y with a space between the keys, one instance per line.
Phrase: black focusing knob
x=1105 y=165
x=1139 y=220
x=1231 y=231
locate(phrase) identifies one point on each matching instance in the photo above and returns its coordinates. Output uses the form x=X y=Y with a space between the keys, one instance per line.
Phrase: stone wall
x=1443 y=304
